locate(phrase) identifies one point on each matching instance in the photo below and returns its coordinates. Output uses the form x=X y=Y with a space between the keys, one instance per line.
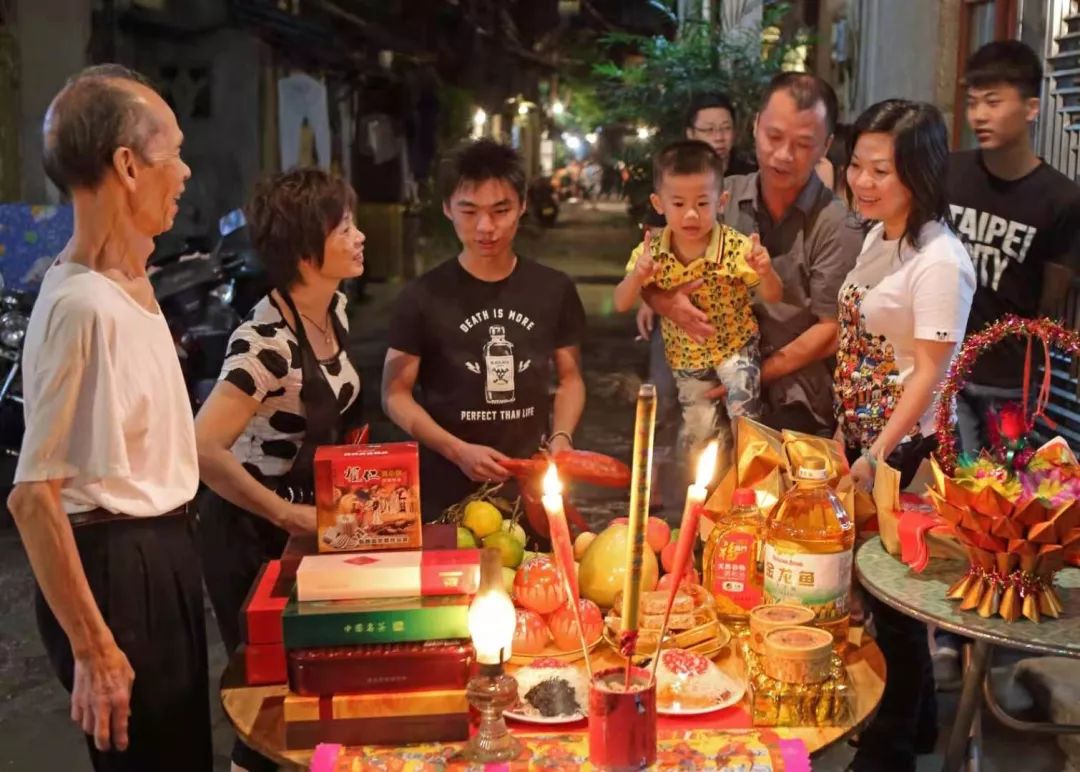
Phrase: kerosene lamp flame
x=552 y=483
x=706 y=465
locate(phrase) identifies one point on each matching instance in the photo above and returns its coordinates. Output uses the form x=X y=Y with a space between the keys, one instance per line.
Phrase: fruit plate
x=573 y=655
x=530 y=718
x=732 y=698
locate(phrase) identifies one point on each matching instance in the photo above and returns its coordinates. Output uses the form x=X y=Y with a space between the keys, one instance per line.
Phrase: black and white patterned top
x=263 y=361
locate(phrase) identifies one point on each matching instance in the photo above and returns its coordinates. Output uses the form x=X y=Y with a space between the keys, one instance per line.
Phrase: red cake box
x=404 y=667
x=264 y=605
x=264 y=663
x=368 y=497
x=388 y=575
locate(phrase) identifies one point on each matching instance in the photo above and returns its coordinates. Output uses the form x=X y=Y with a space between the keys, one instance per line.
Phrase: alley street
x=593 y=247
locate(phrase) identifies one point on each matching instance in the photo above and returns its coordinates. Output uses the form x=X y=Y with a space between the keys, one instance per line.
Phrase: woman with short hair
x=287 y=386
x=903 y=314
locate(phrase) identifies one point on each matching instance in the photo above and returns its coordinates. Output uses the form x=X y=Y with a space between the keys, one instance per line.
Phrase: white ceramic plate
x=732 y=699
x=538 y=719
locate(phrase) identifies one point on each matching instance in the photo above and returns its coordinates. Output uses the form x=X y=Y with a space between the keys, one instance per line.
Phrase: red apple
x=564 y=628
x=538 y=586
x=531 y=634
x=657 y=534
x=667 y=556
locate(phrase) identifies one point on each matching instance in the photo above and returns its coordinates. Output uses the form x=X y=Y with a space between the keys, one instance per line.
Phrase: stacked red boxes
x=378 y=652
x=264 y=642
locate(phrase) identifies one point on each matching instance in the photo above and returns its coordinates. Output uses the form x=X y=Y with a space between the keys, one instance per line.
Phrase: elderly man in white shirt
x=108 y=462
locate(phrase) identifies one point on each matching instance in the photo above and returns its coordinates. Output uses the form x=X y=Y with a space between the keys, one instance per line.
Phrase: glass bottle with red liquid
x=732 y=559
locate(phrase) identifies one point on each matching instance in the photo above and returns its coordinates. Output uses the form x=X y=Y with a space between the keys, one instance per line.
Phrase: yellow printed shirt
x=724 y=297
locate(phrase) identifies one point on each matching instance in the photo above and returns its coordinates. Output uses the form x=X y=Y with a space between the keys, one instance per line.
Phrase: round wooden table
x=922 y=596
x=257 y=715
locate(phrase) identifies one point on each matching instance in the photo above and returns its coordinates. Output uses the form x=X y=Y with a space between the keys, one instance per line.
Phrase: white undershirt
x=104 y=399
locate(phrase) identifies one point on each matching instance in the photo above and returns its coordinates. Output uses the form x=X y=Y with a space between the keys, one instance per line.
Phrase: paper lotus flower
x=1051 y=485
x=1020 y=521
x=1018 y=531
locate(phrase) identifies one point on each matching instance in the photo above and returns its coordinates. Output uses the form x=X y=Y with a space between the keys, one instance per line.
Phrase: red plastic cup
x=622 y=724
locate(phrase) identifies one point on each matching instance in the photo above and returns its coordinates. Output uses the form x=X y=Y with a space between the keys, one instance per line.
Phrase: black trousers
x=234 y=545
x=906 y=721
x=144 y=576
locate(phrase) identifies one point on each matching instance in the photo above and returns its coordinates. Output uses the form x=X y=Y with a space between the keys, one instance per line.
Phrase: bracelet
x=567 y=435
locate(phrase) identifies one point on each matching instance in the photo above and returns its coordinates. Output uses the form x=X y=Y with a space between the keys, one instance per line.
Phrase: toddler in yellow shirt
x=694 y=246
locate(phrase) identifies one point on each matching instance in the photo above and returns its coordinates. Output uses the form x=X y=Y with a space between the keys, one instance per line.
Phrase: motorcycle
x=204 y=295
x=15 y=307
x=544 y=201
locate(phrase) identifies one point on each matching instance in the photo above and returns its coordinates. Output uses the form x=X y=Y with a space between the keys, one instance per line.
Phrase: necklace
x=324 y=330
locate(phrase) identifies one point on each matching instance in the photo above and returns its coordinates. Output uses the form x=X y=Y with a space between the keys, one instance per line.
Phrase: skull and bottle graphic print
x=498 y=366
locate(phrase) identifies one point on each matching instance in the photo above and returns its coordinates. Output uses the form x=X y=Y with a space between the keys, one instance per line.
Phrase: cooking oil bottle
x=732 y=560
x=808 y=550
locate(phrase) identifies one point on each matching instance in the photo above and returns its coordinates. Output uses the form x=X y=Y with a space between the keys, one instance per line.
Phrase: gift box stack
x=373 y=631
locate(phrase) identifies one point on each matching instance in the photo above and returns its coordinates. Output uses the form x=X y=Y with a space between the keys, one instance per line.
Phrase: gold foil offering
x=775 y=703
x=766 y=461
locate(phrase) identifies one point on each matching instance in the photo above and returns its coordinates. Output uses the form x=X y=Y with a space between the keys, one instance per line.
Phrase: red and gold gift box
x=393 y=704
x=368 y=497
x=388 y=575
x=406 y=667
x=376 y=719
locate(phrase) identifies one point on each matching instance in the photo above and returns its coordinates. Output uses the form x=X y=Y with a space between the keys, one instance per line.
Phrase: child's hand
x=759 y=259
x=645 y=266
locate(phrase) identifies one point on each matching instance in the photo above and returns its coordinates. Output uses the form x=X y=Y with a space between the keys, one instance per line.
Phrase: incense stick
x=640 y=489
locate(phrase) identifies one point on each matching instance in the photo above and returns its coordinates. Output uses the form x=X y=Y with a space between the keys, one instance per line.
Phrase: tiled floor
x=35 y=732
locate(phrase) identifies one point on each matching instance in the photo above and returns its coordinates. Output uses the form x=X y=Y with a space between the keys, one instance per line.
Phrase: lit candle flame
x=706 y=465
x=552 y=484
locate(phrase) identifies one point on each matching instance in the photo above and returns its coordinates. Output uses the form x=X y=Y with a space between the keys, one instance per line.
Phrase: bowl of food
x=688 y=684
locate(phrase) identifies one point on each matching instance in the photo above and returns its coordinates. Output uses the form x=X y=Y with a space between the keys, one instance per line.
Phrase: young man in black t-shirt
x=1014 y=213
x=482 y=335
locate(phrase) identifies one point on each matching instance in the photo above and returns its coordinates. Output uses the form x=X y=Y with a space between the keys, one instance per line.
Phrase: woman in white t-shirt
x=903 y=312
x=904 y=306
